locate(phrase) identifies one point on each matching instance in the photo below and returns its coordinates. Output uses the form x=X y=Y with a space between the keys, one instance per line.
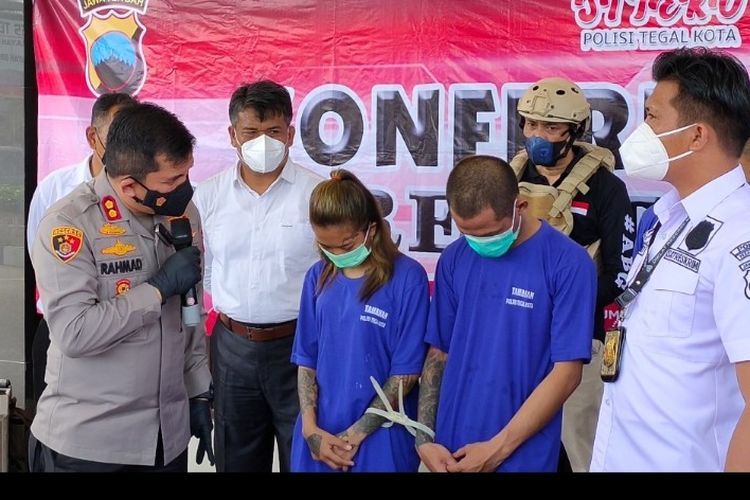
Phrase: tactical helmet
x=555 y=100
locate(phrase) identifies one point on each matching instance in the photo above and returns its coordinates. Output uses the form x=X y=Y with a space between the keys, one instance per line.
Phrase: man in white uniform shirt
x=680 y=401
x=258 y=246
x=60 y=183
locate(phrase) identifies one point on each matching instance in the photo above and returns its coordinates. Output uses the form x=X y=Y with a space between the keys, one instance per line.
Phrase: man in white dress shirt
x=258 y=246
x=60 y=183
x=680 y=400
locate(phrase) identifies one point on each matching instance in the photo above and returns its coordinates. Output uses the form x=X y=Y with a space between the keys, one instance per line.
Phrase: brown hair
x=344 y=200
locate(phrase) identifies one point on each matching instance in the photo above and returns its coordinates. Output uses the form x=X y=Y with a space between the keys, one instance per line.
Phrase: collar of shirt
x=698 y=204
x=85 y=167
x=288 y=174
x=102 y=188
x=145 y=223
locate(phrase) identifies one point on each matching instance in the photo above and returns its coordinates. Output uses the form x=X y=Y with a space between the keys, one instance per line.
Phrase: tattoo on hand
x=313 y=441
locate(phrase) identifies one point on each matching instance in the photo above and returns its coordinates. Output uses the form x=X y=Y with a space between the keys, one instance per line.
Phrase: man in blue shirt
x=509 y=329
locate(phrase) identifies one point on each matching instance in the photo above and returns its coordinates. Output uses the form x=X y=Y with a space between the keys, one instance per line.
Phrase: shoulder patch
x=66 y=242
x=112 y=230
x=700 y=236
x=110 y=208
x=741 y=251
x=119 y=249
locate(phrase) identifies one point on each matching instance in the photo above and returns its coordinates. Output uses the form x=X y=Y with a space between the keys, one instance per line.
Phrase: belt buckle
x=254 y=333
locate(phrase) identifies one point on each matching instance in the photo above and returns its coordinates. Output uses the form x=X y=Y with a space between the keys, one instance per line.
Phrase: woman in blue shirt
x=362 y=317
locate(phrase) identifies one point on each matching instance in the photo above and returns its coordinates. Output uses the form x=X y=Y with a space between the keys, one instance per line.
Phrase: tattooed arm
x=369 y=422
x=429 y=391
x=324 y=446
x=435 y=456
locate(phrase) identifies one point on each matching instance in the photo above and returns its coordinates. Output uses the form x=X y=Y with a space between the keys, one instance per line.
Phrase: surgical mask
x=497 y=245
x=543 y=152
x=644 y=155
x=172 y=204
x=349 y=259
x=263 y=154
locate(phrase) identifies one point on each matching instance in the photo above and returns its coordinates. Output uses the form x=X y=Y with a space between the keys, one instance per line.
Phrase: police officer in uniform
x=127 y=383
x=56 y=185
x=571 y=185
x=679 y=402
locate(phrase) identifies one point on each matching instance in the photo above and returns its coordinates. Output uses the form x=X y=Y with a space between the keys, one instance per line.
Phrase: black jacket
x=605 y=213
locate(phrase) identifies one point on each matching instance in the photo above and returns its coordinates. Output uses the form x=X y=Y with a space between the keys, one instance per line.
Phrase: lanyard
x=647 y=269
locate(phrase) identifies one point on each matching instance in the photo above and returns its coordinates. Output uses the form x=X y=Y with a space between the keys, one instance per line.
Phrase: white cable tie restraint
x=397 y=417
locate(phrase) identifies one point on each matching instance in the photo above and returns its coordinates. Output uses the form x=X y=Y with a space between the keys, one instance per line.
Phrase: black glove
x=180 y=272
x=200 y=427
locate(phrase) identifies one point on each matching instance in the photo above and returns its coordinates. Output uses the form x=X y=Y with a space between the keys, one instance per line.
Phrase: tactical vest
x=553 y=203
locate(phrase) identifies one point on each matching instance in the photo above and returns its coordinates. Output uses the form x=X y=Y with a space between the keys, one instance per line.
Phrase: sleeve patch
x=741 y=251
x=66 y=243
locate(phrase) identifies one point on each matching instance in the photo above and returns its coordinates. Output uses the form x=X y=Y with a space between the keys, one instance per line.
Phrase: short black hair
x=713 y=88
x=266 y=97
x=481 y=181
x=141 y=132
x=105 y=102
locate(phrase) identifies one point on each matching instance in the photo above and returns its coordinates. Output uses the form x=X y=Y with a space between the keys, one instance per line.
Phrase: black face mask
x=172 y=203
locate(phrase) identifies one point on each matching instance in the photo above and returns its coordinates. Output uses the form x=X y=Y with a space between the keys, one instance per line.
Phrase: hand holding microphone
x=181 y=271
x=182 y=237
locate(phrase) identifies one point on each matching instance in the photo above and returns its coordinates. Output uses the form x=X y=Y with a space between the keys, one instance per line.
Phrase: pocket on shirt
x=673 y=307
x=299 y=249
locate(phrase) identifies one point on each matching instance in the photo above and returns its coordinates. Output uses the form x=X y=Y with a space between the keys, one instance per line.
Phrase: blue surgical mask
x=496 y=245
x=352 y=258
x=543 y=152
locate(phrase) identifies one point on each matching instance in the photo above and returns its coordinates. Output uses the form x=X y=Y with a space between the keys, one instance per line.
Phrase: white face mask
x=645 y=156
x=263 y=154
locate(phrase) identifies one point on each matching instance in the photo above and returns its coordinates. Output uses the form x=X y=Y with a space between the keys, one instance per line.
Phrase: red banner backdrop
x=393 y=90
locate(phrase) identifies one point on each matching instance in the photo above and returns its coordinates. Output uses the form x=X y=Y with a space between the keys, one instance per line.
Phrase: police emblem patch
x=122 y=286
x=119 y=249
x=66 y=243
x=113 y=34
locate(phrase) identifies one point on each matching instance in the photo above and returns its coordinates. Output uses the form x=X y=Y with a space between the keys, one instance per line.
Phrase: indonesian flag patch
x=66 y=243
x=579 y=207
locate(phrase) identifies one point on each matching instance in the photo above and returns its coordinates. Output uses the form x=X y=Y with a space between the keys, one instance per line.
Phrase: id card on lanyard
x=614 y=340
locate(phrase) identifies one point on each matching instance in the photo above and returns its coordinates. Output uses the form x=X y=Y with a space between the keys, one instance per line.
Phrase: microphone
x=182 y=237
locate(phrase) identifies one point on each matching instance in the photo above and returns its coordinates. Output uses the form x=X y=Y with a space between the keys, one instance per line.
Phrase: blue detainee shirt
x=346 y=341
x=504 y=322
